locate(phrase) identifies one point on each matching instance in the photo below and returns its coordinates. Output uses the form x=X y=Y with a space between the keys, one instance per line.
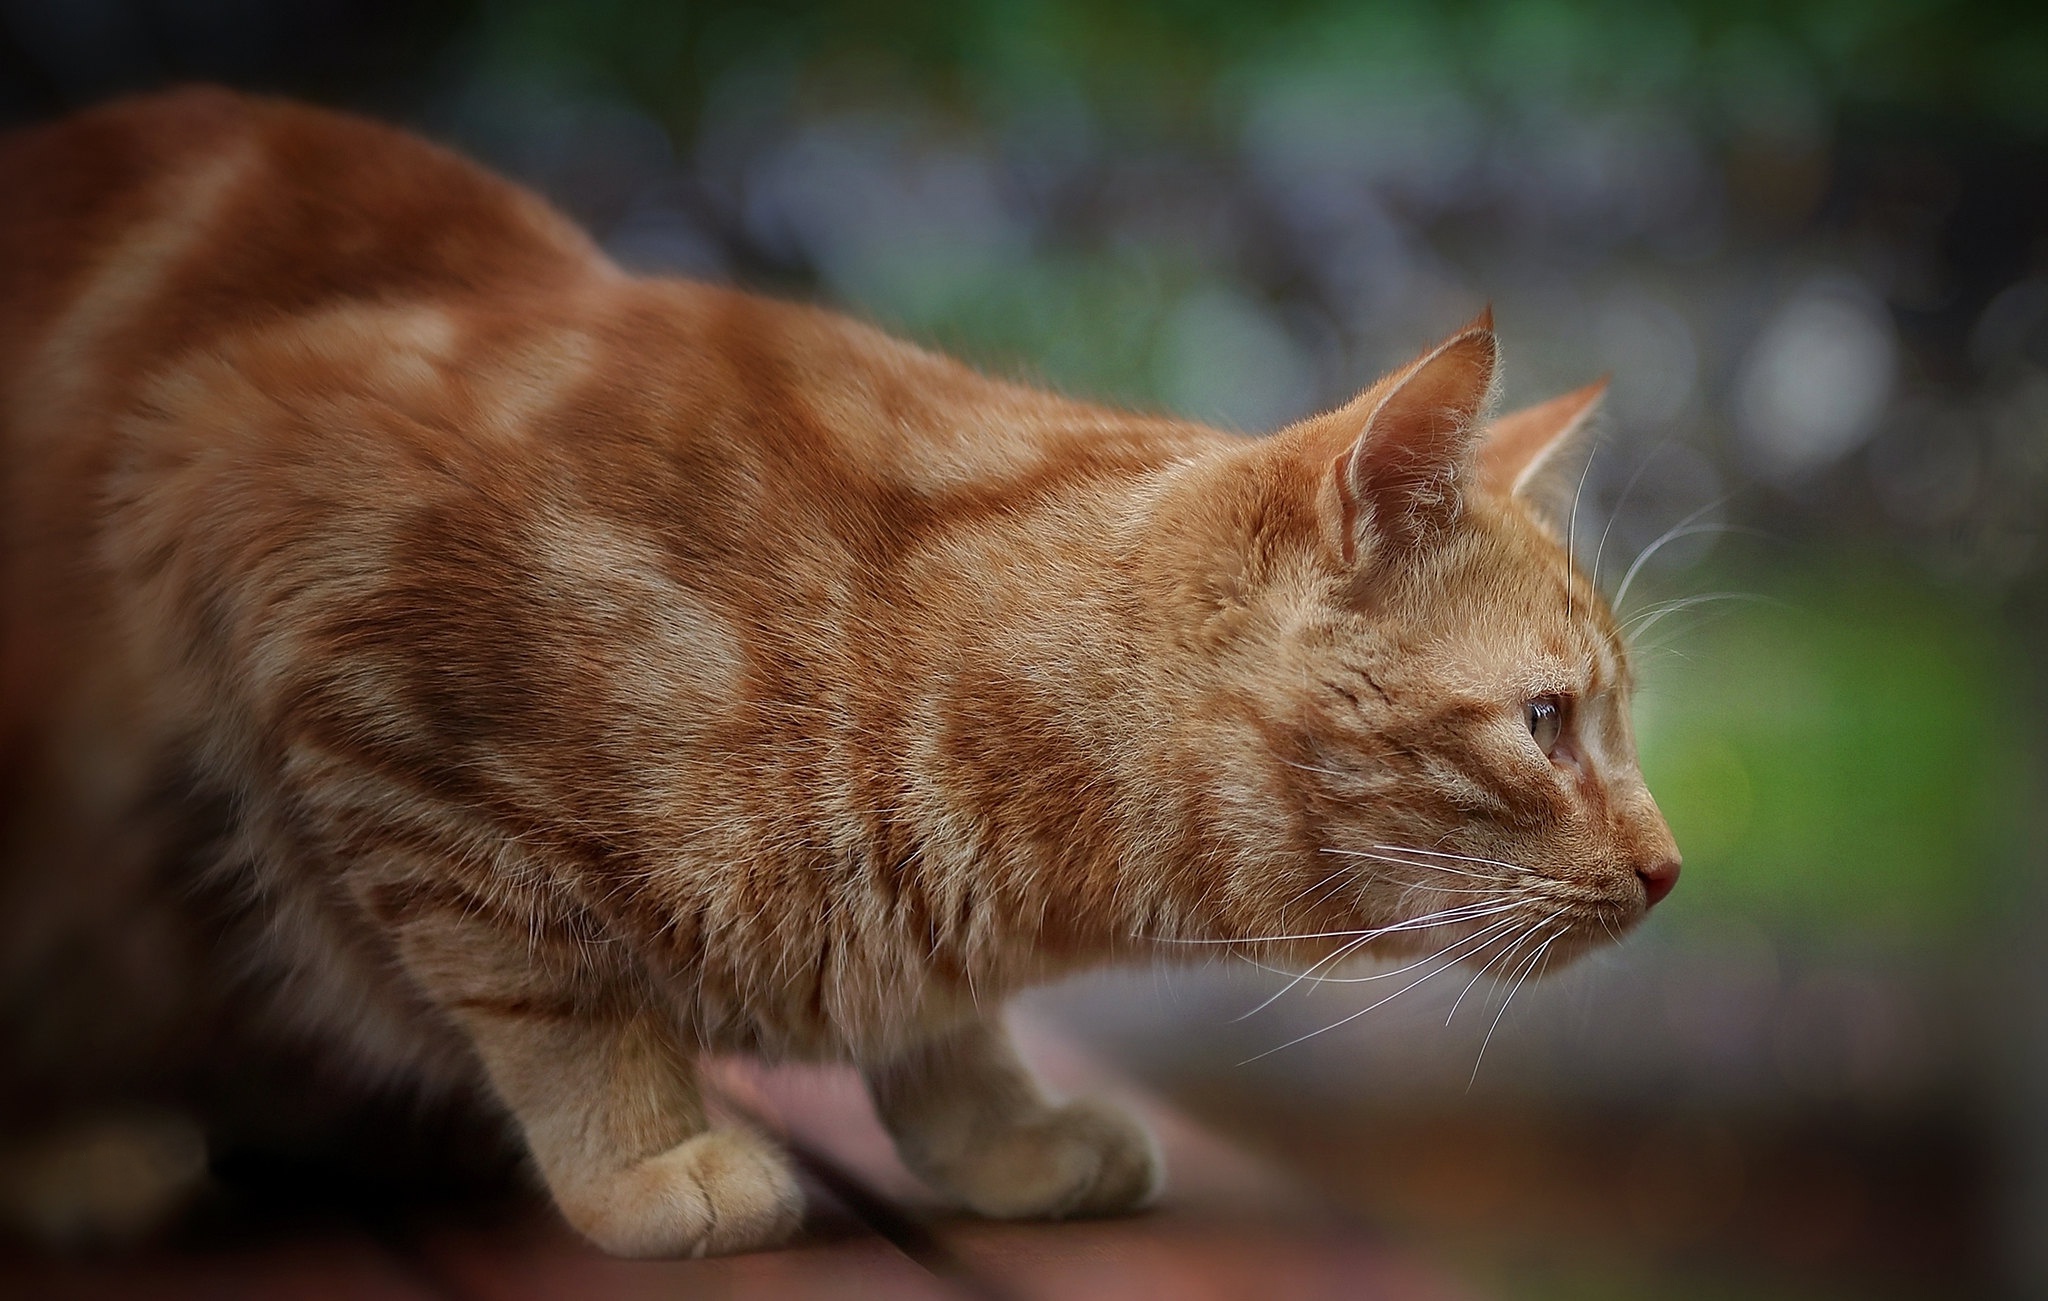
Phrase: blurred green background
x=1809 y=239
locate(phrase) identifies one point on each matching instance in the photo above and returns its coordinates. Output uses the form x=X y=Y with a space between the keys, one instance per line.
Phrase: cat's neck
x=1065 y=752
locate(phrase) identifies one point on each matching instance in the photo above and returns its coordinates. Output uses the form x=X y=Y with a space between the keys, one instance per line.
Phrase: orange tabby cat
x=441 y=663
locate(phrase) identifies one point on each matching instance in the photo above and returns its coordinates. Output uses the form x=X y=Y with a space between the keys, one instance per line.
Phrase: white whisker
x=1360 y=1012
x=1462 y=912
x=1619 y=503
x=1398 y=861
x=1295 y=898
x=1459 y=1001
x=1645 y=620
x=1526 y=969
x=1684 y=528
x=1309 y=973
x=1309 y=767
x=1463 y=858
x=1571 y=530
x=1433 y=867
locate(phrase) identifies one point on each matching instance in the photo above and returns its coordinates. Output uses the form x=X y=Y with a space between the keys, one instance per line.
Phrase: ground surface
x=1229 y=1227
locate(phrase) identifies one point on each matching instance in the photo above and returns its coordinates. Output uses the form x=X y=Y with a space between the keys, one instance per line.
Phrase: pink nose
x=1658 y=878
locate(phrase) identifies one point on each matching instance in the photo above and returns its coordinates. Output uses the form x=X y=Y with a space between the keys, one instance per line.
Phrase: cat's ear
x=1529 y=454
x=1407 y=446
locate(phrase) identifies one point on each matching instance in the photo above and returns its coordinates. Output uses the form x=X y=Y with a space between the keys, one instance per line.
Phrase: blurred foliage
x=1844 y=752
x=1158 y=62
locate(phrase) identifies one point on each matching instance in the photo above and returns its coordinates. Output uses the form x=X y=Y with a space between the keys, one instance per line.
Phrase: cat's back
x=159 y=223
x=273 y=343
x=70 y=190
x=152 y=232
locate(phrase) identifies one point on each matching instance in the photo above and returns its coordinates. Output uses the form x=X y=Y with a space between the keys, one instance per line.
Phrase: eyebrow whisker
x=1684 y=528
x=1571 y=530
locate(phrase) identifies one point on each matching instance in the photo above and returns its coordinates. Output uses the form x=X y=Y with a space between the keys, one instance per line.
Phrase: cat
x=440 y=665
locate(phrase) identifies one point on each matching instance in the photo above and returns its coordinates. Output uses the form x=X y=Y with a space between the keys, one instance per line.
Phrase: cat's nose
x=1658 y=878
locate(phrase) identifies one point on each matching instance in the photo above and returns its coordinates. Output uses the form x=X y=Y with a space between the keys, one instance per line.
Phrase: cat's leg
x=969 y=1119
x=613 y=1117
x=611 y=1110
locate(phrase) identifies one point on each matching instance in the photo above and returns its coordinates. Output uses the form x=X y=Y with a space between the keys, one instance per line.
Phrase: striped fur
x=437 y=662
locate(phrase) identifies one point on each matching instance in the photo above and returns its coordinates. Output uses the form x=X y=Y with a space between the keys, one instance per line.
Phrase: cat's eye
x=1545 y=716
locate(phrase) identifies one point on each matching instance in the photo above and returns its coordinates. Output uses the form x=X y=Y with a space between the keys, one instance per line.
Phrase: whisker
x=1342 y=952
x=1621 y=502
x=1309 y=767
x=1495 y=892
x=1459 y=1001
x=1526 y=969
x=1571 y=530
x=1463 y=858
x=1322 y=891
x=1337 y=875
x=1434 y=867
x=1493 y=883
x=1359 y=1013
x=1309 y=975
x=1495 y=877
x=1461 y=912
x=1514 y=942
x=1684 y=528
x=1323 y=896
x=1698 y=598
x=1645 y=620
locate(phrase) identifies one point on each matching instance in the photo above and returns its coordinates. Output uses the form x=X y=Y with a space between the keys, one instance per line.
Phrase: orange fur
x=510 y=678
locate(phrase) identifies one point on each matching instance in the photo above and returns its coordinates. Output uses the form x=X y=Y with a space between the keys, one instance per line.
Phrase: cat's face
x=1440 y=698
x=1466 y=749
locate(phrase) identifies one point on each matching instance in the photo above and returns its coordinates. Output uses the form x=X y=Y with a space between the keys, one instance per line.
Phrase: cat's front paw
x=724 y=1191
x=1083 y=1158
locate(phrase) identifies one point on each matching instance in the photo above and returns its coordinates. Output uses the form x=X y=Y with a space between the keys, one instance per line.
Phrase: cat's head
x=1408 y=680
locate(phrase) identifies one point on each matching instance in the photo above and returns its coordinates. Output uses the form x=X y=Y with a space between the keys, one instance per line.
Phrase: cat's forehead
x=1503 y=587
x=1496 y=562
